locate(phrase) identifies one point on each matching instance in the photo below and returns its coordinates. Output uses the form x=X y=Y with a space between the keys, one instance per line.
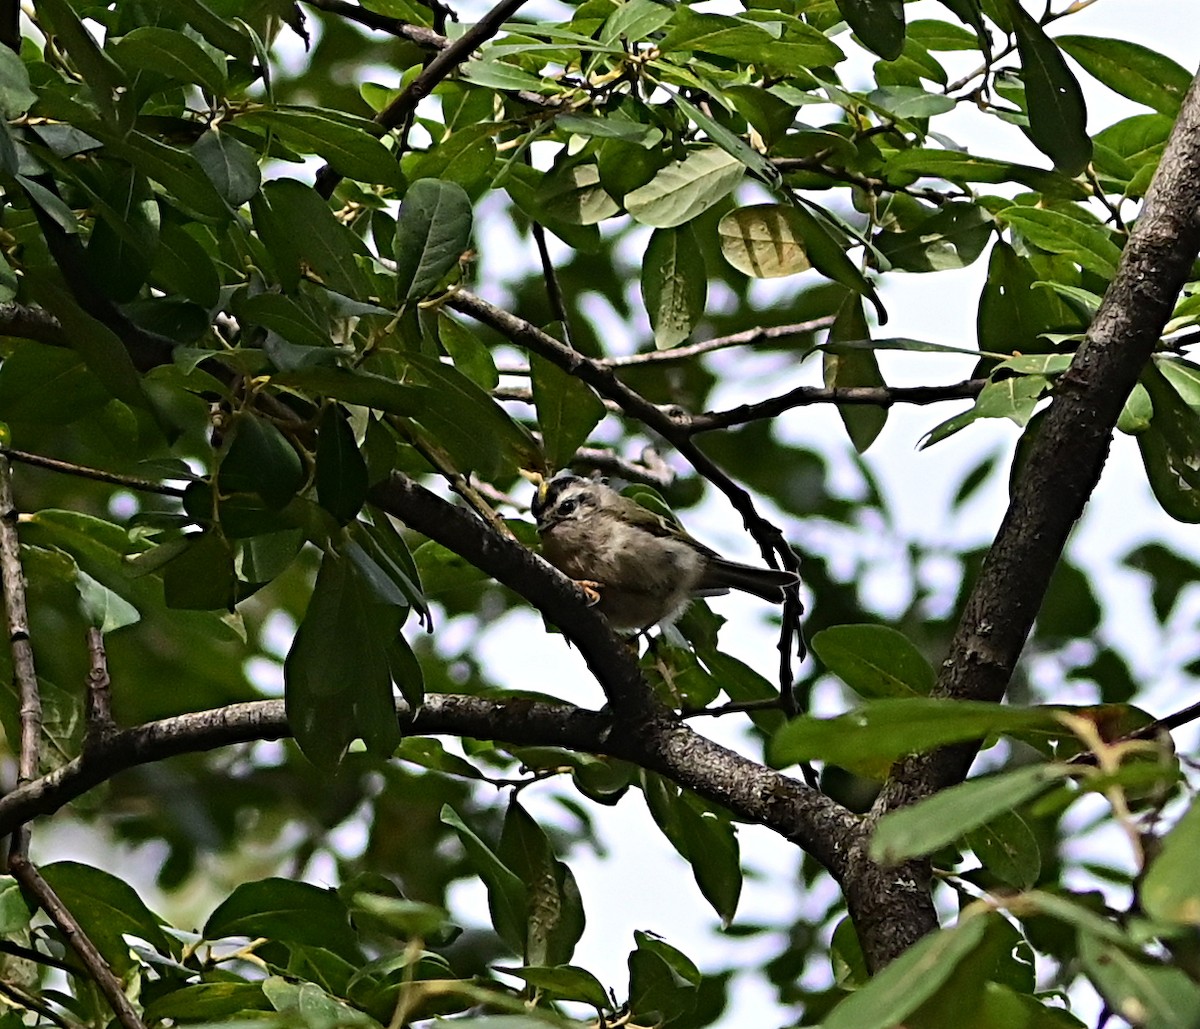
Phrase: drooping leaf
x=674 y=284
x=1057 y=113
x=878 y=23
x=854 y=367
x=433 y=232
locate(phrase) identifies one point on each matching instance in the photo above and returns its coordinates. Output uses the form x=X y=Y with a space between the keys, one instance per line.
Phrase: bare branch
x=24 y=999
x=28 y=876
x=382 y=23
x=114 y=478
x=748 y=337
x=804 y=396
x=24 y=672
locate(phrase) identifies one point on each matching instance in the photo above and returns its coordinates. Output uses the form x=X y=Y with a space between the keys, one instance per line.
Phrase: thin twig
x=398 y=112
x=382 y=23
x=675 y=430
x=29 y=954
x=99 y=698
x=748 y=337
x=803 y=396
x=99 y=475
x=24 y=672
x=23 y=999
x=28 y=876
x=554 y=293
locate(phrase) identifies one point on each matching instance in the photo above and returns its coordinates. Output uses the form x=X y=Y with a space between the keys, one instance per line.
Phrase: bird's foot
x=590 y=589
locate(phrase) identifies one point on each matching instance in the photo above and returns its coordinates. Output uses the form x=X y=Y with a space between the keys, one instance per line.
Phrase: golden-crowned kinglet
x=643 y=568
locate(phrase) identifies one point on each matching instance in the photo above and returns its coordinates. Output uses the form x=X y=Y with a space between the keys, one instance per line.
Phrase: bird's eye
x=567 y=506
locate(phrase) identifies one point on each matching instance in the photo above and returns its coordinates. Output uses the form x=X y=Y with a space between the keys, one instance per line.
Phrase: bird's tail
x=766 y=583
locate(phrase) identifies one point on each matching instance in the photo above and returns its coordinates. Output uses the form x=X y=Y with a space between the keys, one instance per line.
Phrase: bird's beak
x=539 y=504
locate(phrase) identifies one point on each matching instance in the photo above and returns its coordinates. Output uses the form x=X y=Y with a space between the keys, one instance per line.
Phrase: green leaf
x=960 y=167
x=15 y=910
x=1170 y=448
x=182 y=265
x=350 y=147
x=732 y=144
x=1132 y=70
x=260 y=460
x=1169 y=891
x=874 y=661
x=574 y=195
x=230 y=165
x=555 y=910
x=911 y=979
x=765 y=240
x=104 y=609
x=48 y=385
x=297 y=227
x=1057 y=113
x=568 y=410
x=878 y=23
x=341 y=473
x=104 y=77
x=106 y=908
x=684 y=189
x=473 y=428
x=829 y=256
x=674 y=284
x=951 y=238
x=663 y=981
x=1088 y=244
x=938 y=820
x=174 y=169
x=1014 y=398
x=15 y=95
x=201 y=577
x=170 y=53
x=433 y=232
x=703 y=837
x=337 y=676
x=102 y=350
x=567 y=982
x=634 y=21
x=854 y=367
x=891 y=728
x=507 y=898
x=224 y=35
x=1007 y=848
x=287 y=911
x=910 y=101
x=1145 y=991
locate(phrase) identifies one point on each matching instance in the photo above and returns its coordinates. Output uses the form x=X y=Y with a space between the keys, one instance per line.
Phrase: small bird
x=638 y=567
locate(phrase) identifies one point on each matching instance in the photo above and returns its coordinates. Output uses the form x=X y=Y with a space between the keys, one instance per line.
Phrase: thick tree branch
x=1065 y=461
x=747 y=789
